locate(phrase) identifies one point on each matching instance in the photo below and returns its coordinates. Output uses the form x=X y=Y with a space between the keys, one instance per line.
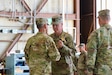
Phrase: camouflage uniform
x=99 y=48
x=40 y=50
x=61 y=67
x=81 y=65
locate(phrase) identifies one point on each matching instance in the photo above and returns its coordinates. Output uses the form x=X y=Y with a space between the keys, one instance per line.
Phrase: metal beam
x=94 y=14
x=9 y=14
x=49 y=15
x=78 y=22
x=12 y=40
x=41 y=6
x=16 y=39
x=39 y=15
x=13 y=43
x=26 y=6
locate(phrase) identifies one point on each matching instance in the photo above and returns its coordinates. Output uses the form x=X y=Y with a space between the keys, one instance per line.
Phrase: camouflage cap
x=57 y=19
x=41 y=21
x=104 y=13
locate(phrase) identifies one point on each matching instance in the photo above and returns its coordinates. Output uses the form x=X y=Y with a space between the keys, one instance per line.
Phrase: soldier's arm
x=92 y=51
x=71 y=46
x=68 y=46
x=53 y=52
x=26 y=50
x=85 y=60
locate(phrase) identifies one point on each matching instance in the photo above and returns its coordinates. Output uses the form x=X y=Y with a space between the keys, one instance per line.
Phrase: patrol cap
x=104 y=13
x=57 y=19
x=41 y=21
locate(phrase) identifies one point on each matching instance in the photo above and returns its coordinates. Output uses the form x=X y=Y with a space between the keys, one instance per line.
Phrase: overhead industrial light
x=4 y=30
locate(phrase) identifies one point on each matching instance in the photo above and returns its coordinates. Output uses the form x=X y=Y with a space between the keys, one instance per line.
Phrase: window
x=104 y=4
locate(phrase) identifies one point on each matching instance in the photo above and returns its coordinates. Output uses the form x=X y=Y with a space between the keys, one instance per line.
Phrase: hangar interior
x=17 y=21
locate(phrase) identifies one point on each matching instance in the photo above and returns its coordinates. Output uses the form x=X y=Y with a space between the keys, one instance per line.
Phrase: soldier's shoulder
x=66 y=34
x=49 y=38
x=52 y=34
x=31 y=38
x=93 y=33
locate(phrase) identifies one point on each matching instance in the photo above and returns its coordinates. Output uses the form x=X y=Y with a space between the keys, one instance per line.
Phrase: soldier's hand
x=59 y=44
x=86 y=71
x=75 y=73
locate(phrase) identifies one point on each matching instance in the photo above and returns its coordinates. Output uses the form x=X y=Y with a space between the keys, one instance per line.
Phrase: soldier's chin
x=56 y=31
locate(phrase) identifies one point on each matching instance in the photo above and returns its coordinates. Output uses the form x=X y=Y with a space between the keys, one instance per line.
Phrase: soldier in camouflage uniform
x=66 y=47
x=81 y=65
x=40 y=50
x=99 y=46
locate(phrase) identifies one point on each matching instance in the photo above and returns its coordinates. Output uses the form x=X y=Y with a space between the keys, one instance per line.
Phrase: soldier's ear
x=45 y=25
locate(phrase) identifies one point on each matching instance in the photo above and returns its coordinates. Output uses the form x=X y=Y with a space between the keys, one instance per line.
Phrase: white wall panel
x=52 y=6
x=56 y=6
